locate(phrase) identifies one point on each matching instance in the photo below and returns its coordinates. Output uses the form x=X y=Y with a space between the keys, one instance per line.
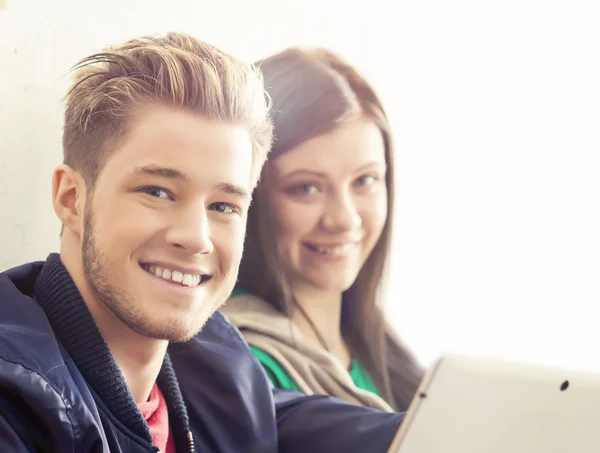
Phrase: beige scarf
x=314 y=370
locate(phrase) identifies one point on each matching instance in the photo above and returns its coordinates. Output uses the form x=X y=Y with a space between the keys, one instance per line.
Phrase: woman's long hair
x=312 y=93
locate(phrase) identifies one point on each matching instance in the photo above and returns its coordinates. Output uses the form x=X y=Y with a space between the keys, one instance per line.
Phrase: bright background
x=496 y=111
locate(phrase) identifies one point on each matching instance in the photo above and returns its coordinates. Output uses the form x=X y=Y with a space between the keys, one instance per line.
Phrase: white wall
x=496 y=108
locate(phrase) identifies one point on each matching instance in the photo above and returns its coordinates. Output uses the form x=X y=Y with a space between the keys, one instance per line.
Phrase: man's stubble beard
x=99 y=272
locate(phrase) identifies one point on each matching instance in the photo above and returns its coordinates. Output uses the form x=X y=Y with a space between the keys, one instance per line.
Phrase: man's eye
x=157 y=192
x=224 y=208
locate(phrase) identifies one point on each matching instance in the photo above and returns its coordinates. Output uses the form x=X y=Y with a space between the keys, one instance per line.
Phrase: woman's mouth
x=331 y=250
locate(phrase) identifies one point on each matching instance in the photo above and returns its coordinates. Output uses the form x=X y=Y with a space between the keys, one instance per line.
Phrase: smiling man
x=114 y=344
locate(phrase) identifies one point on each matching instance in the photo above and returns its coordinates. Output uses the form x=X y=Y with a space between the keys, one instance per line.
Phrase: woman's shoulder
x=241 y=304
x=242 y=301
x=258 y=320
x=248 y=311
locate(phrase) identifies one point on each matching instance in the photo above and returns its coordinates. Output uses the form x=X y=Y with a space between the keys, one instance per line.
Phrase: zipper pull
x=190 y=440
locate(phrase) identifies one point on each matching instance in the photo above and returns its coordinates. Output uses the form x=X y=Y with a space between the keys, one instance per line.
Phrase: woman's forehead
x=346 y=148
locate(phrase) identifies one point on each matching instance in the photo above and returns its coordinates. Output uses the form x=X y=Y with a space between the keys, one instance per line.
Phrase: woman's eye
x=366 y=180
x=224 y=208
x=304 y=189
x=157 y=192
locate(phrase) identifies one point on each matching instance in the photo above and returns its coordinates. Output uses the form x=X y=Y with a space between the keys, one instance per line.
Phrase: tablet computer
x=476 y=405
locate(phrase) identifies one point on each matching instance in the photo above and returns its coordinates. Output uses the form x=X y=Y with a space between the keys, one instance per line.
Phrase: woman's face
x=329 y=198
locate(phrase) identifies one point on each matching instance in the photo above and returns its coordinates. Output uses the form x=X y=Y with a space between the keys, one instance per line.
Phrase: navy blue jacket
x=61 y=391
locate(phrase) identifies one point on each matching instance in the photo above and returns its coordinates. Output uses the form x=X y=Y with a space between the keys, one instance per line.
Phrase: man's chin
x=173 y=331
x=181 y=337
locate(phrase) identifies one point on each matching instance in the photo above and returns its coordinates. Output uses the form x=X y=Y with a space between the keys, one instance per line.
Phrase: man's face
x=165 y=223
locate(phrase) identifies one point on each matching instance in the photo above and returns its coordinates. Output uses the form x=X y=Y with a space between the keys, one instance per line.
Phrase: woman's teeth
x=339 y=250
x=175 y=276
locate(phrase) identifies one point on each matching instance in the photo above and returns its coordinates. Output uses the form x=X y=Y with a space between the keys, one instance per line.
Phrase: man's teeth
x=175 y=276
x=339 y=250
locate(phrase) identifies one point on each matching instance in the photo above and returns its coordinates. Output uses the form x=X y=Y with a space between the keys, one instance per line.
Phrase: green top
x=281 y=379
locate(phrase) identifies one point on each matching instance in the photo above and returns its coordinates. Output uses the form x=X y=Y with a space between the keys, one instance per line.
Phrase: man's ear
x=68 y=198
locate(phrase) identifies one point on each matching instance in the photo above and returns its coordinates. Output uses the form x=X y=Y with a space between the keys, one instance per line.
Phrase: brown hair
x=174 y=70
x=312 y=93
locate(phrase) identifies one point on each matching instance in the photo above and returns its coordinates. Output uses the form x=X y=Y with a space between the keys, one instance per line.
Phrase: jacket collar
x=74 y=327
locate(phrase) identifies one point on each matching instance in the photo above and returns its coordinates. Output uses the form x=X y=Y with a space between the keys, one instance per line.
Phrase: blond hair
x=175 y=70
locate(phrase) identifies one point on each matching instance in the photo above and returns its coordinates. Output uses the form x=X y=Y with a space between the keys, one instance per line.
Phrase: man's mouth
x=176 y=276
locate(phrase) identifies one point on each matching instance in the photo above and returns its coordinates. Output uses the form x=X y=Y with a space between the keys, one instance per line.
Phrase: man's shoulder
x=219 y=325
x=35 y=371
x=20 y=278
x=37 y=391
x=26 y=337
x=220 y=350
x=223 y=385
x=218 y=336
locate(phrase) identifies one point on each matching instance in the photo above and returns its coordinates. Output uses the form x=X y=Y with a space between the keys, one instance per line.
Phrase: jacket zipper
x=190 y=443
x=190 y=440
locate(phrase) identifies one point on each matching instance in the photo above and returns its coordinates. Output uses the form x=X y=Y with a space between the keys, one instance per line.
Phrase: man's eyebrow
x=154 y=170
x=171 y=173
x=233 y=190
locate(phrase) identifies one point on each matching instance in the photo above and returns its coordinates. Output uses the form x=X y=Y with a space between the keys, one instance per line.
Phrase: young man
x=164 y=139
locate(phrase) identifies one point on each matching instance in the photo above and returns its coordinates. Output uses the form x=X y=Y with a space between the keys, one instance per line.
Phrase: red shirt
x=157 y=416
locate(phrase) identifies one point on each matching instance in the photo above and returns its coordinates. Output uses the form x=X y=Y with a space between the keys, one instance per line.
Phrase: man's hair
x=175 y=70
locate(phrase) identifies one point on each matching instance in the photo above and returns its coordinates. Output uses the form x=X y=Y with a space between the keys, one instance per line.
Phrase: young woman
x=318 y=237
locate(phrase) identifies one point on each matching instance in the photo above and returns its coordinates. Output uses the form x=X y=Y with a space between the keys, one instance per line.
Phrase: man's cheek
x=236 y=247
